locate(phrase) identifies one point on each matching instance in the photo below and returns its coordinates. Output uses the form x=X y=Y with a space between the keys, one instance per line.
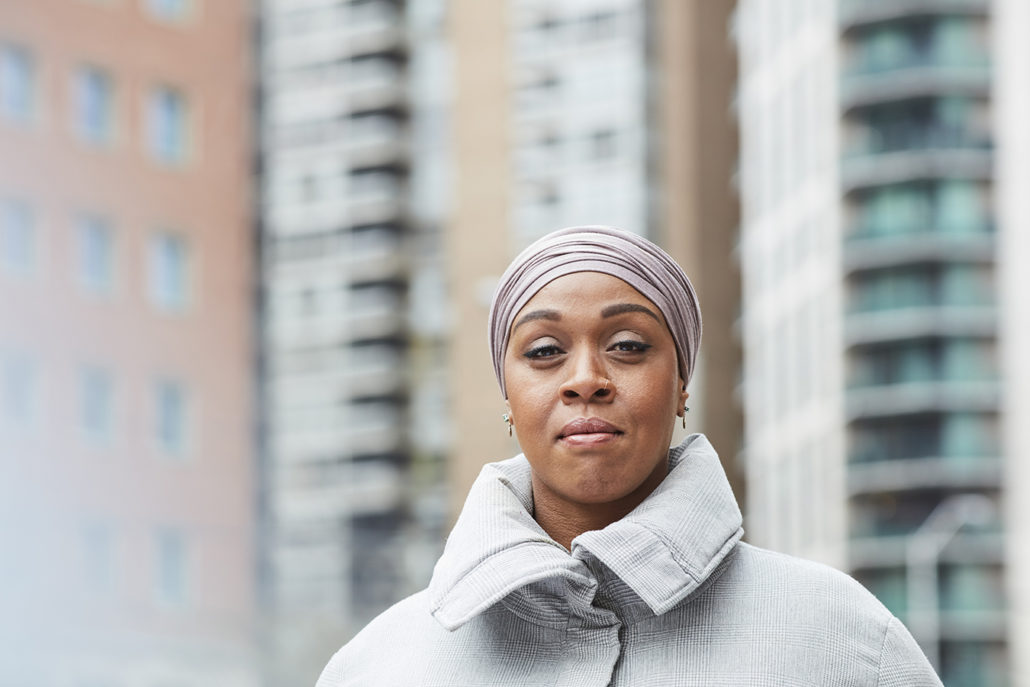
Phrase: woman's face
x=594 y=389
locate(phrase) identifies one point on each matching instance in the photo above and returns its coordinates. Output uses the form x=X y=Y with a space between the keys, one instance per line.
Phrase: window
x=171 y=416
x=169 y=271
x=93 y=100
x=17 y=392
x=98 y=558
x=167 y=129
x=168 y=10
x=96 y=403
x=602 y=144
x=17 y=237
x=17 y=74
x=171 y=567
x=96 y=253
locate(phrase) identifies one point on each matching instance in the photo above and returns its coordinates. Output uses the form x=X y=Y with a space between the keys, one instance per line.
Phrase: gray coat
x=666 y=596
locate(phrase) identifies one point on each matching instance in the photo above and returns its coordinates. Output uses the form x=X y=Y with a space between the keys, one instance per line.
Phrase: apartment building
x=873 y=310
x=126 y=475
x=353 y=189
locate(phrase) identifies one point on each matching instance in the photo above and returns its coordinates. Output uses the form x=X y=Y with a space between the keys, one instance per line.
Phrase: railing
x=931 y=226
x=918 y=138
x=964 y=61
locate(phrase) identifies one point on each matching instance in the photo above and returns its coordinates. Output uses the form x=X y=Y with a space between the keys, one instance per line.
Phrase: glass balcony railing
x=956 y=452
x=931 y=298
x=859 y=12
x=902 y=519
x=966 y=61
x=930 y=227
x=917 y=138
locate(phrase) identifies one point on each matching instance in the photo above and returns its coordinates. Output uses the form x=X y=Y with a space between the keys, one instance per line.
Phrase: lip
x=588 y=431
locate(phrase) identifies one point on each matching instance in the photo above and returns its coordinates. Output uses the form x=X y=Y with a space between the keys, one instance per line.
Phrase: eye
x=542 y=352
x=629 y=346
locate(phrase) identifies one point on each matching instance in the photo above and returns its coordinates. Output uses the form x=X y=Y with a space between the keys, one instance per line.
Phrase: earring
x=507 y=418
x=684 y=416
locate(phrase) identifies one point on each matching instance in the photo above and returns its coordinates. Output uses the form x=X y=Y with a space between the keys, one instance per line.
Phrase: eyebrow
x=607 y=311
x=537 y=315
x=620 y=308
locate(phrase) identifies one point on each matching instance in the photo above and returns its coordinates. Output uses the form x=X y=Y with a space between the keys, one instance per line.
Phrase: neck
x=564 y=520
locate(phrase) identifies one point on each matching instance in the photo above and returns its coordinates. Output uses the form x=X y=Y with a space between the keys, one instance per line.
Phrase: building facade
x=126 y=474
x=871 y=312
x=589 y=112
x=353 y=129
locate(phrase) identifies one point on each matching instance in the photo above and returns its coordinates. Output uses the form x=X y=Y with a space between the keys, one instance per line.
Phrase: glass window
x=17 y=237
x=169 y=271
x=969 y=435
x=602 y=144
x=171 y=406
x=167 y=125
x=18 y=391
x=17 y=76
x=171 y=567
x=96 y=252
x=93 y=100
x=168 y=10
x=98 y=558
x=958 y=207
x=96 y=403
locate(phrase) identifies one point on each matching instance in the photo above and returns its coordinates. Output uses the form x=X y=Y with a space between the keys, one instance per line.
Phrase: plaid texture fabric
x=666 y=596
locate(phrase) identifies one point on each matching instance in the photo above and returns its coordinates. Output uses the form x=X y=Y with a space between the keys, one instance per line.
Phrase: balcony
x=919 y=322
x=376 y=143
x=374 y=27
x=377 y=199
x=937 y=396
x=915 y=75
x=884 y=549
x=873 y=169
x=375 y=84
x=853 y=14
x=923 y=473
x=869 y=248
x=374 y=373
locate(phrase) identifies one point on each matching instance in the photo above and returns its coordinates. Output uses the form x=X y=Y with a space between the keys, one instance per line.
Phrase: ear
x=683 y=396
x=507 y=409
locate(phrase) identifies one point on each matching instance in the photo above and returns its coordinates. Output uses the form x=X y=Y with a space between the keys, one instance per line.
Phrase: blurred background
x=247 y=249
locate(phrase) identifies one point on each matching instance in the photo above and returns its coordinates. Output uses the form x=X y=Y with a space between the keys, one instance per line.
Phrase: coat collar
x=663 y=550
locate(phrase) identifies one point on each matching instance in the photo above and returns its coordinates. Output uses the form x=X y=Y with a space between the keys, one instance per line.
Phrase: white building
x=871 y=310
x=352 y=318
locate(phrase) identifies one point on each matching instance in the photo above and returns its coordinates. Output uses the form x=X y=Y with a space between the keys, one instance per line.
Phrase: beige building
x=126 y=489
x=592 y=112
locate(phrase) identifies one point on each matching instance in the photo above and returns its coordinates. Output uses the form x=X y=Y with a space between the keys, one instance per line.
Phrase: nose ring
x=605 y=385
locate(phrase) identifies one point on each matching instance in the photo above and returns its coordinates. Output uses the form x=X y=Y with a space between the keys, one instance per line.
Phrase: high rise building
x=872 y=310
x=353 y=189
x=590 y=112
x=126 y=479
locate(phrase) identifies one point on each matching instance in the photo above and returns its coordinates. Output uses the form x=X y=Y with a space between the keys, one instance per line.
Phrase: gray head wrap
x=608 y=250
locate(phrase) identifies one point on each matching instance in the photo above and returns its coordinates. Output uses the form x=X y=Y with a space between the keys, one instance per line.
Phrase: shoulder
x=783 y=572
x=376 y=649
x=794 y=597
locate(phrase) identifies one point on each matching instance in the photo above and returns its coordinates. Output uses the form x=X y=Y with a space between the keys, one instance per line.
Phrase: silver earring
x=507 y=418
x=684 y=416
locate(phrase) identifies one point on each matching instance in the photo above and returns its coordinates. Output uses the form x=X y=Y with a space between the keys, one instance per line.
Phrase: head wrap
x=631 y=258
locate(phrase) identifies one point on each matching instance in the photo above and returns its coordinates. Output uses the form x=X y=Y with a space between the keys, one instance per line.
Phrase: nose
x=587 y=380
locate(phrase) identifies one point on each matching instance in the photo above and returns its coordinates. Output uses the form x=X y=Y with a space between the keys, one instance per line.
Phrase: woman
x=601 y=556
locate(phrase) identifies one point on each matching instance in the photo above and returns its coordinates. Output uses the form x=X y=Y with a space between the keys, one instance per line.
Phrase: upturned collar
x=662 y=551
